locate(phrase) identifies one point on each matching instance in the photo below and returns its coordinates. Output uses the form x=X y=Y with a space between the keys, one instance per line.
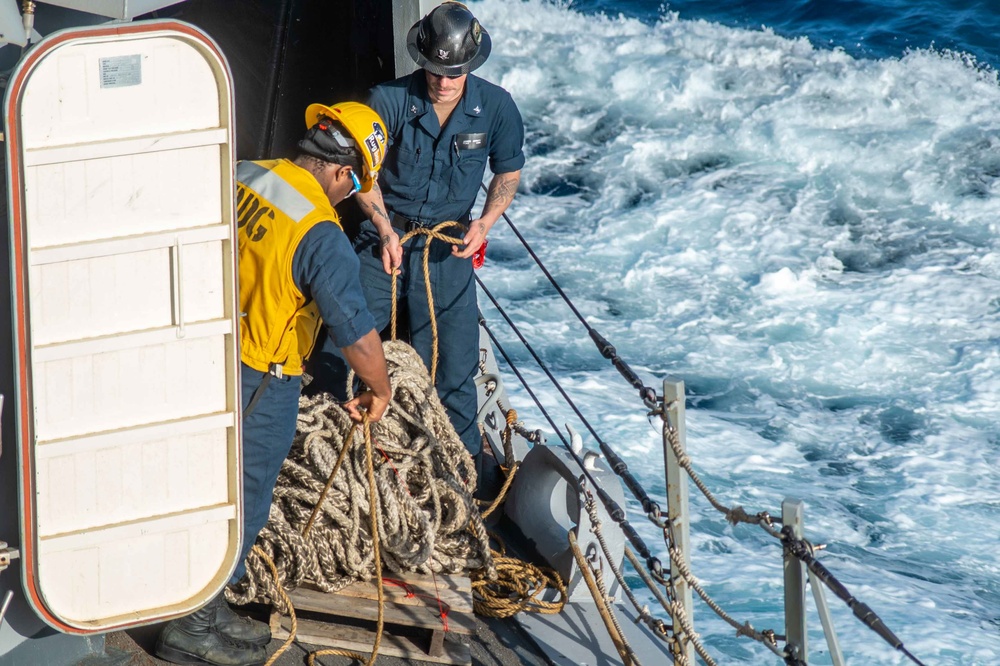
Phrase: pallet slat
x=413 y=627
x=313 y=632
x=413 y=612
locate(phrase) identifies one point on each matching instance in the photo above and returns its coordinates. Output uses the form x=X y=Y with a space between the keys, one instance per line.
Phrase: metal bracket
x=7 y=554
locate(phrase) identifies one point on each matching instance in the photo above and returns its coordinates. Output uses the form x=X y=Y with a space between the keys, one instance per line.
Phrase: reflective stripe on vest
x=275 y=189
x=277 y=203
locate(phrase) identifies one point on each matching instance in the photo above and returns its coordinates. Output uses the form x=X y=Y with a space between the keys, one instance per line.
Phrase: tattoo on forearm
x=373 y=211
x=502 y=190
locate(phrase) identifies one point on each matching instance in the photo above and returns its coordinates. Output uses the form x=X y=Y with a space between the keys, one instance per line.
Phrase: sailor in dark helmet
x=445 y=126
x=449 y=41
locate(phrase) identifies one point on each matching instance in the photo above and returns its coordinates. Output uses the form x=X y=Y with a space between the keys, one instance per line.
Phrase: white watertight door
x=120 y=178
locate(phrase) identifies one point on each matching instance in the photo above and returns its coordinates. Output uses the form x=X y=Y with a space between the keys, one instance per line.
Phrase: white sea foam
x=811 y=242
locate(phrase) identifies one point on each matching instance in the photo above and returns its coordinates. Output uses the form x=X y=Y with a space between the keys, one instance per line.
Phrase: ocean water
x=793 y=206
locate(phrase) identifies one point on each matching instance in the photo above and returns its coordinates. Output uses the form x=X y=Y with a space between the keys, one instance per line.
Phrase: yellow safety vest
x=277 y=202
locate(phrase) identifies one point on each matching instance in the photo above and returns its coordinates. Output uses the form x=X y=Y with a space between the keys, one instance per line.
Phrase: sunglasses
x=444 y=76
x=356 y=182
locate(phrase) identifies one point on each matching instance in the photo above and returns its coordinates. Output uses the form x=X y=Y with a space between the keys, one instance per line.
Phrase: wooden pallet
x=413 y=628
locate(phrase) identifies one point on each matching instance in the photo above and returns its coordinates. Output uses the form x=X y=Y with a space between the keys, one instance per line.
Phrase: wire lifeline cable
x=614 y=510
x=606 y=349
x=614 y=460
x=862 y=611
x=800 y=549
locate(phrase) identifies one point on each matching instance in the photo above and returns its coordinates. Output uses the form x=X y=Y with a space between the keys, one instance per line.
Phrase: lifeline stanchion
x=798 y=548
x=801 y=550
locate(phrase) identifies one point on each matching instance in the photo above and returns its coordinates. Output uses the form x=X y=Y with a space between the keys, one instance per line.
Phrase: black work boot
x=237 y=627
x=193 y=639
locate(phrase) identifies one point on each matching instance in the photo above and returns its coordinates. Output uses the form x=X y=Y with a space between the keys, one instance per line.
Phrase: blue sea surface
x=795 y=208
x=863 y=28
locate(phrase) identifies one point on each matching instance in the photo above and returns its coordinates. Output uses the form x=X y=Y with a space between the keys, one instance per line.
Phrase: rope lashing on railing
x=799 y=548
x=766 y=638
x=435 y=234
x=651 y=585
x=606 y=349
x=655 y=624
x=734 y=515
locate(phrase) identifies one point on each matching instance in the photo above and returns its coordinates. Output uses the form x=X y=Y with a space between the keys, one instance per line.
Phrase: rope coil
x=318 y=530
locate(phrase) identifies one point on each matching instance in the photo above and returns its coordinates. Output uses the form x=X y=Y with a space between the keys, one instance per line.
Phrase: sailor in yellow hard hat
x=297 y=271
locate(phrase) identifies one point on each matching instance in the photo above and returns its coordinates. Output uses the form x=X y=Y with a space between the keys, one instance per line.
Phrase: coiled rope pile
x=428 y=520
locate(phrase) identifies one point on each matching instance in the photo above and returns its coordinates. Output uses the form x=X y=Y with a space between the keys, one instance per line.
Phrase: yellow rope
x=508 y=433
x=509 y=469
x=602 y=604
x=293 y=627
x=517 y=587
x=435 y=234
x=502 y=495
x=373 y=499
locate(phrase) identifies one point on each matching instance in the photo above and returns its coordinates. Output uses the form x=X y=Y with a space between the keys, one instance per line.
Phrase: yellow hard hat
x=365 y=127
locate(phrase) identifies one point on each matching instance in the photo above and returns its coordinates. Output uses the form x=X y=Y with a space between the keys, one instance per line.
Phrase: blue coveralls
x=431 y=175
x=326 y=269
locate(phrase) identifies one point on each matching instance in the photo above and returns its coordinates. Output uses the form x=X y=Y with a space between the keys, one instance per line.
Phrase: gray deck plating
x=577 y=636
